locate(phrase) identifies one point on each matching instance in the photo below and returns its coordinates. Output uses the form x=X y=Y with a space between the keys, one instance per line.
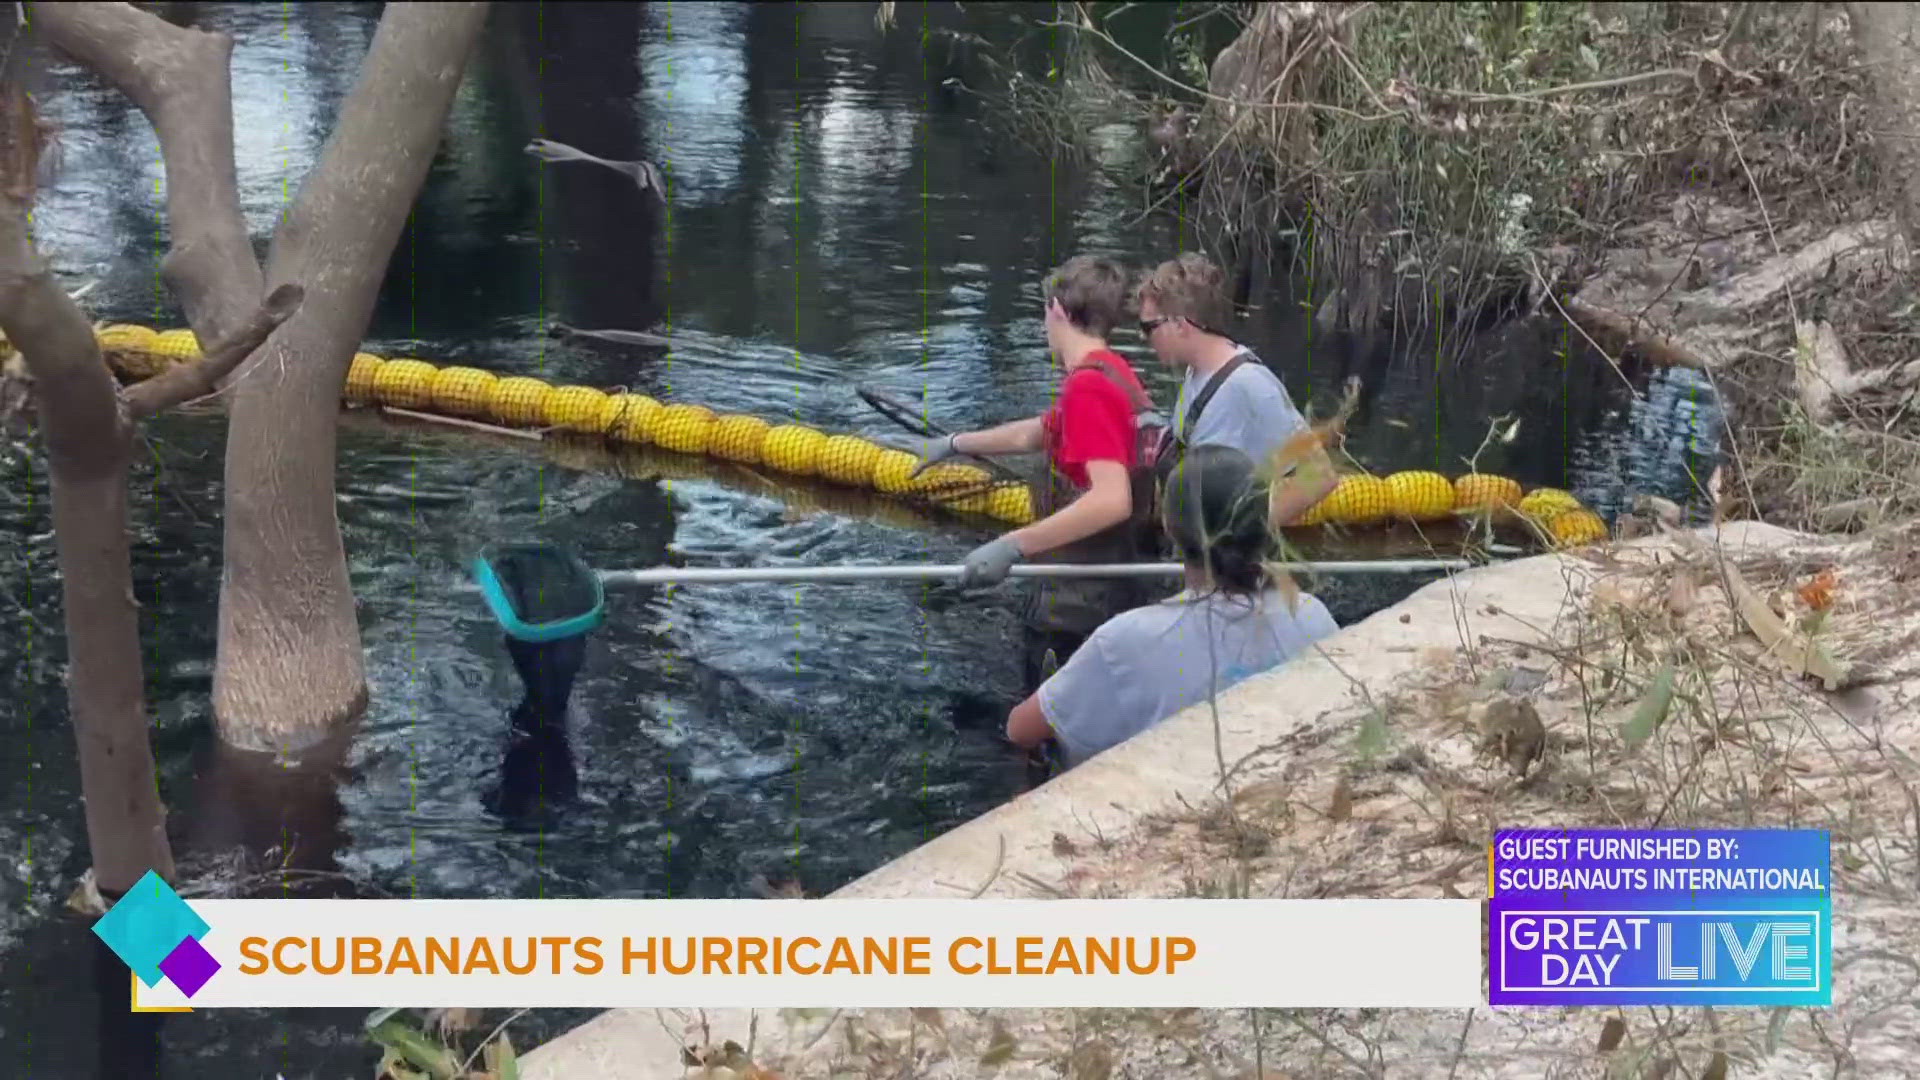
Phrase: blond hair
x=1190 y=287
x=1092 y=289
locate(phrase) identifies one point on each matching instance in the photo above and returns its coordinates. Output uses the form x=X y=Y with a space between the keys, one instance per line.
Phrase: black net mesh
x=543 y=584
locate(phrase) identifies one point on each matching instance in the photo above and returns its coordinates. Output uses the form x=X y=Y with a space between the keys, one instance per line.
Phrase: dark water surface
x=836 y=216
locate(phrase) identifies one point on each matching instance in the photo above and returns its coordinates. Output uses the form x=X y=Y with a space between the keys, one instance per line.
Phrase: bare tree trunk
x=88 y=431
x=88 y=448
x=1888 y=37
x=290 y=664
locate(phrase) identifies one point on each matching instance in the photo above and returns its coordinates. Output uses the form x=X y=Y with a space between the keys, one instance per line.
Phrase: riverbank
x=1376 y=779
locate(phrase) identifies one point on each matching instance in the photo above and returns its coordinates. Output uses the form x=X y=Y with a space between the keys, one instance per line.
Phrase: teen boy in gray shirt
x=1182 y=306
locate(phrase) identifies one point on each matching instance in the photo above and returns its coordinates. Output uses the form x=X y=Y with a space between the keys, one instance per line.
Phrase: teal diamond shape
x=147 y=924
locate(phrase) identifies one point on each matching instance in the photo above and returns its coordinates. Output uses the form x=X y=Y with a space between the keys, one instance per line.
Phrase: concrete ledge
x=1521 y=600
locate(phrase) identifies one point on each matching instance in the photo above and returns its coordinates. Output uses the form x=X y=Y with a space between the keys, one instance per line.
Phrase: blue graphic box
x=1659 y=917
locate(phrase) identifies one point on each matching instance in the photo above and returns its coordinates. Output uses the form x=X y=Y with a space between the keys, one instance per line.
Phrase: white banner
x=832 y=954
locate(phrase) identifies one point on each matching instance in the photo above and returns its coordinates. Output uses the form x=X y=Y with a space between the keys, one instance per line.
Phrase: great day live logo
x=157 y=934
x=1655 y=917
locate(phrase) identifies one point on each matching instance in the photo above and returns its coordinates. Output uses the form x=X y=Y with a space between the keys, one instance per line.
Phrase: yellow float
x=1009 y=502
x=1359 y=499
x=126 y=338
x=460 y=391
x=176 y=345
x=574 y=408
x=893 y=472
x=130 y=348
x=619 y=417
x=403 y=384
x=793 y=449
x=360 y=375
x=1420 y=496
x=1479 y=491
x=684 y=429
x=518 y=401
x=848 y=459
x=1572 y=528
x=636 y=416
x=737 y=437
x=1541 y=504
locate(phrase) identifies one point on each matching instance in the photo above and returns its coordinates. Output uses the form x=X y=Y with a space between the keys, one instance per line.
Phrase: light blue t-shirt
x=1251 y=412
x=1144 y=665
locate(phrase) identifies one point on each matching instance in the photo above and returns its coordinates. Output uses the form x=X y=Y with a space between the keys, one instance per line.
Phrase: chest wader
x=1058 y=614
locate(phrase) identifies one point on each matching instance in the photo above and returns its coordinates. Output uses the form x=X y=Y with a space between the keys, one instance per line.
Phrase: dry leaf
x=1652 y=710
x=1090 y=1062
x=1342 y=808
x=1000 y=1046
x=1665 y=511
x=452 y=1021
x=1802 y=655
x=1818 y=593
x=1713 y=494
x=931 y=1018
x=1682 y=595
x=1511 y=728
x=1611 y=1033
x=85 y=898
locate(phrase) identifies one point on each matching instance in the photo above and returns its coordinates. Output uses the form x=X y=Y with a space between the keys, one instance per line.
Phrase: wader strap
x=1199 y=403
x=1135 y=396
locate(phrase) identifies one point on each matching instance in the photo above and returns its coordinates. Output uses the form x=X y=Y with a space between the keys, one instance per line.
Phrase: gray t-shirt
x=1144 y=665
x=1251 y=412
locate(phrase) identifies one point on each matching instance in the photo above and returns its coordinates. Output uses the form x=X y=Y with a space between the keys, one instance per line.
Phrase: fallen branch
x=642 y=172
x=473 y=425
x=622 y=337
x=179 y=77
x=1628 y=334
x=1801 y=654
x=188 y=381
x=1822 y=372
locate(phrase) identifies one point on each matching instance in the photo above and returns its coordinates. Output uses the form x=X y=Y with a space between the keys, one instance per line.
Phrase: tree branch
x=179 y=78
x=79 y=412
x=189 y=381
x=78 y=416
x=642 y=172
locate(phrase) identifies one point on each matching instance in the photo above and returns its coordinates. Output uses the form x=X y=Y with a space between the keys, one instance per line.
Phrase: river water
x=836 y=216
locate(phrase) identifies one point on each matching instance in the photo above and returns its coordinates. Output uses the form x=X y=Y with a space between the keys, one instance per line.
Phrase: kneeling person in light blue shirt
x=1144 y=665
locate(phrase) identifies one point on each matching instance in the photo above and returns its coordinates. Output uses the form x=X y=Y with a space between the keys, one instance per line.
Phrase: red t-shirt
x=1092 y=419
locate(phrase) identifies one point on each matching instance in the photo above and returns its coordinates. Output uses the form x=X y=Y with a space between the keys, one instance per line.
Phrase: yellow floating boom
x=517 y=401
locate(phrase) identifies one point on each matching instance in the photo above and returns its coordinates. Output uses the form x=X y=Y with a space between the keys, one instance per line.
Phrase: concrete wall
x=1150 y=773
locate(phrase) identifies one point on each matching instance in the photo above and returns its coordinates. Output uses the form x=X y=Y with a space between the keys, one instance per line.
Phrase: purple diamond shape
x=189 y=966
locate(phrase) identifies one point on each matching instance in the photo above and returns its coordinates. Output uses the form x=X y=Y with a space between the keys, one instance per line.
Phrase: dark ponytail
x=1214 y=508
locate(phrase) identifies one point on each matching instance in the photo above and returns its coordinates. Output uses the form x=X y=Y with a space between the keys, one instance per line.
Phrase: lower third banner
x=770 y=953
x=1626 y=917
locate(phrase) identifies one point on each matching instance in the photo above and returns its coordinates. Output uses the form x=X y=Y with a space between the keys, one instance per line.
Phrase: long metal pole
x=717 y=575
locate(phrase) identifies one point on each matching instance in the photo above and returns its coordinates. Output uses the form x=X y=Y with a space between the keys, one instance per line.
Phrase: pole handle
x=715 y=575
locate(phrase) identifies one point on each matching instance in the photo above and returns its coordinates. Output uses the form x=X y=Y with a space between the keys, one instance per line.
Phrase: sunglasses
x=1148 y=326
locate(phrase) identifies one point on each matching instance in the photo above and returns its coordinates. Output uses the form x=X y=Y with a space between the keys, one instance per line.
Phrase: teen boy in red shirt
x=1088 y=506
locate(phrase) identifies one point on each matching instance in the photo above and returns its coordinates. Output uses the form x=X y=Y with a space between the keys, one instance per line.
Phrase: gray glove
x=930 y=449
x=989 y=563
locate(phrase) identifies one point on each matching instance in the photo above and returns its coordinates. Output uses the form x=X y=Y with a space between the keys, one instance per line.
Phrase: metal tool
x=736 y=575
